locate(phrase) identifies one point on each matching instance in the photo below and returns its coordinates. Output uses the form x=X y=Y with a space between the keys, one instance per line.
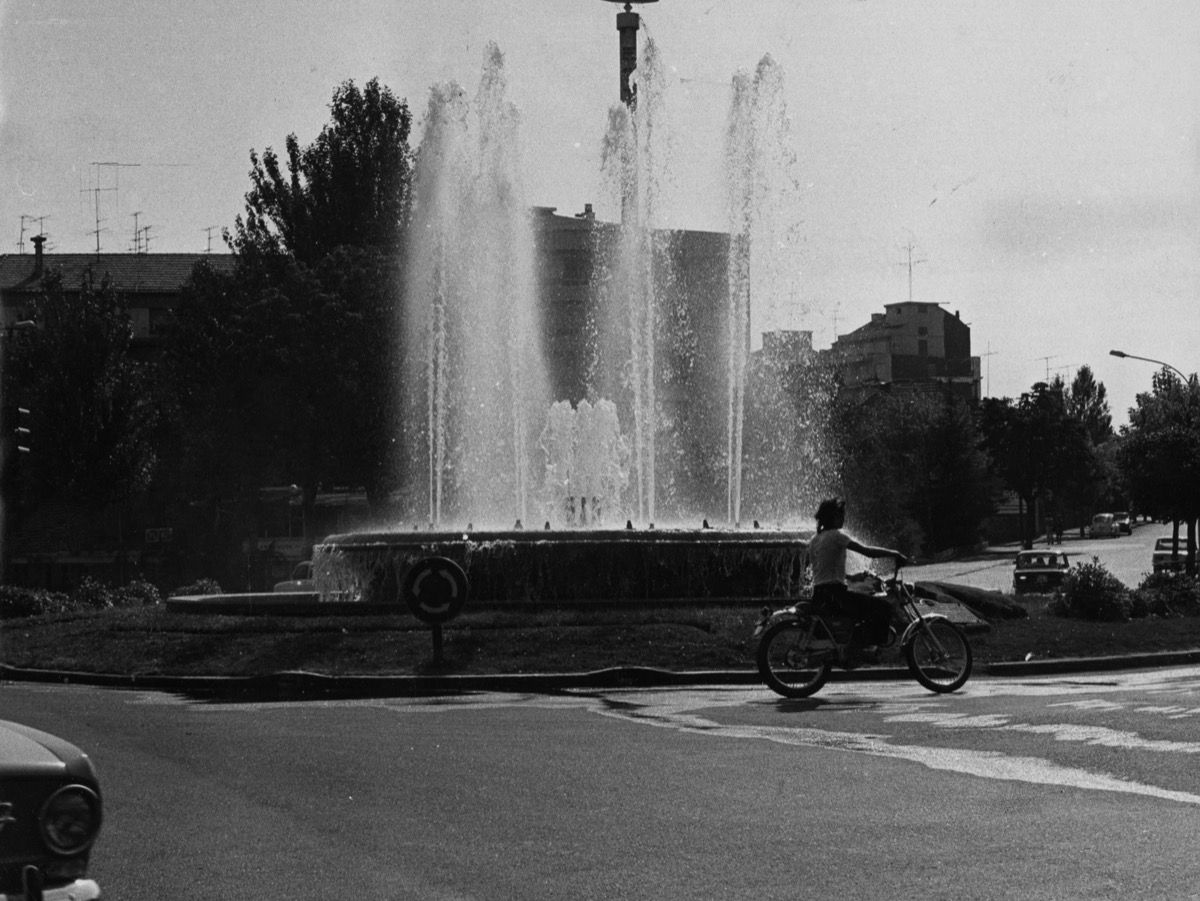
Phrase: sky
x=1039 y=157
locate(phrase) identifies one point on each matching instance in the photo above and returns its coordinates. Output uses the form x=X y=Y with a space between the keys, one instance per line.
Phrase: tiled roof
x=130 y=272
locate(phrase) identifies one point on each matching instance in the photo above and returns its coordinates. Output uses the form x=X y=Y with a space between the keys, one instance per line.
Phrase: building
x=150 y=283
x=910 y=347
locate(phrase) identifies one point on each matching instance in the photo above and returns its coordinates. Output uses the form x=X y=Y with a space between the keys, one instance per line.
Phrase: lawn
x=155 y=641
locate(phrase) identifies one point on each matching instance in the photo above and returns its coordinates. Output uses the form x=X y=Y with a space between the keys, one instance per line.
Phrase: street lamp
x=1123 y=355
x=627 y=24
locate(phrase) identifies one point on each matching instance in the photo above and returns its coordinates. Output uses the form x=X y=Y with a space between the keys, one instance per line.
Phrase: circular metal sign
x=435 y=589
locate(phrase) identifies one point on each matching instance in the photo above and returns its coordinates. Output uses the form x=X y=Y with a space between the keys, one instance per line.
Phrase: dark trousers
x=871 y=615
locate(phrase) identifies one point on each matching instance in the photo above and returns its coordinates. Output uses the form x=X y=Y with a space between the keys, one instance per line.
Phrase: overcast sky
x=1040 y=157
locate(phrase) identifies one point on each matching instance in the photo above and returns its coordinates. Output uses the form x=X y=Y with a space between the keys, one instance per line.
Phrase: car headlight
x=70 y=819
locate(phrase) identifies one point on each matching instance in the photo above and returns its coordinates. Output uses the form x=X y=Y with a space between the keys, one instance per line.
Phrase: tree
x=1097 y=485
x=347 y=188
x=1087 y=403
x=1160 y=453
x=913 y=470
x=92 y=420
x=284 y=371
x=1036 y=447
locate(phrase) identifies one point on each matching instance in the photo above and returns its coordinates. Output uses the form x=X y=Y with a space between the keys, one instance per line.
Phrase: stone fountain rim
x=568 y=536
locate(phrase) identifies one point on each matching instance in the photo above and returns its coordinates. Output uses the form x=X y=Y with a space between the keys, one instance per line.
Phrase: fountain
x=546 y=500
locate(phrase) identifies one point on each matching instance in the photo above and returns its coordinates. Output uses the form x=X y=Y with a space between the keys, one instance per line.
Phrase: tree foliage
x=1160 y=453
x=283 y=370
x=1036 y=446
x=93 y=422
x=348 y=188
x=1086 y=401
x=914 y=472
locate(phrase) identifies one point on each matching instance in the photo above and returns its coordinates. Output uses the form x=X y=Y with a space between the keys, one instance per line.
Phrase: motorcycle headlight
x=70 y=819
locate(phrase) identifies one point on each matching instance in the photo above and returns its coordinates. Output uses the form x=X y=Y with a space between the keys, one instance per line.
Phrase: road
x=1041 y=788
x=1127 y=558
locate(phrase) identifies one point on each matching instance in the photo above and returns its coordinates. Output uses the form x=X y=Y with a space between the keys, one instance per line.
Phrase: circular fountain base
x=570 y=567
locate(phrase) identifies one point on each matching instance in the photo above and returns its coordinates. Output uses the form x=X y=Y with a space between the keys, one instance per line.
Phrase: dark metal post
x=628 y=23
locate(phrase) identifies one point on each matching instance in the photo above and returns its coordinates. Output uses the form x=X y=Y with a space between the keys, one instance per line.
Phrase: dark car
x=301 y=580
x=1039 y=571
x=1124 y=522
x=50 y=814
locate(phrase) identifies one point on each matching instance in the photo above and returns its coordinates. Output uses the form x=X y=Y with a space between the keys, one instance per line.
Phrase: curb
x=300 y=684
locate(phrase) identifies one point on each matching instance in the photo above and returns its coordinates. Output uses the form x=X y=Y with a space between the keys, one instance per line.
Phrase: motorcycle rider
x=827 y=556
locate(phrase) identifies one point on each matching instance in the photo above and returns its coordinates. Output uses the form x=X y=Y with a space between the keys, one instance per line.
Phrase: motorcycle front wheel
x=792 y=661
x=939 y=656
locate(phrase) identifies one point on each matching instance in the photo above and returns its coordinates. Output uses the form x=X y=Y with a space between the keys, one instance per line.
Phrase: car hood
x=28 y=751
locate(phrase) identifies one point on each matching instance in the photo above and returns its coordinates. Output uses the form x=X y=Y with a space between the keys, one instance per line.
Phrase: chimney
x=38 y=260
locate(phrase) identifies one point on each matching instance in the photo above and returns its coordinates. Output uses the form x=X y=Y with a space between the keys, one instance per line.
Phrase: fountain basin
x=566 y=567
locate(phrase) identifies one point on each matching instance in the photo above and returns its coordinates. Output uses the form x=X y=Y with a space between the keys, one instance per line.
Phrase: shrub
x=16 y=602
x=200 y=586
x=138 y=593
x=93 y=595
x=1169 y=594
x=1090 y=591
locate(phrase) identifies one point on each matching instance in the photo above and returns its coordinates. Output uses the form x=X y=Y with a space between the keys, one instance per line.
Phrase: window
x=922 y=348
x=922 y=330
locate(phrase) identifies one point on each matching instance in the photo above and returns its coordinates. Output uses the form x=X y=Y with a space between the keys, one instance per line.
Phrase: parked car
x=1165 y=559
x=1124 y=522
x=1104 y=525
x=301 y=580
x=1041 y=571
x=50 y=813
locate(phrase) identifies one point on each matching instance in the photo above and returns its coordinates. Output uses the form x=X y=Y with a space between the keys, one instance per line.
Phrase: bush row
x=90 y=594
x=1090 y=591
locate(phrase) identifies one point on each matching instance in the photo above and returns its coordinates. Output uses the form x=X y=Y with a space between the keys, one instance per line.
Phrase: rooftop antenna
x=96 y=191
x=988 y=356
x=911 y=262
x=1047 y=360
x=136 y=231
x=208 y=231
x=25 y=219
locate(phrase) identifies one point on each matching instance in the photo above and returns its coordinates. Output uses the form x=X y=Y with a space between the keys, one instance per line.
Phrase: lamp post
x=627 y=24
x=1123 y=356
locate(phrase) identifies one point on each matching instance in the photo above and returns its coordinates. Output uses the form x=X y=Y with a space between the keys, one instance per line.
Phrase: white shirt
x=827 y=554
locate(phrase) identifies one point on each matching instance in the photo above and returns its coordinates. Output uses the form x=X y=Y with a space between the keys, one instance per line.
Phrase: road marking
x=671 y=711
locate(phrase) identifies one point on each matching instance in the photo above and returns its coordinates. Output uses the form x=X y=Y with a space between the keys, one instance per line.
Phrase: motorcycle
x=798 y=646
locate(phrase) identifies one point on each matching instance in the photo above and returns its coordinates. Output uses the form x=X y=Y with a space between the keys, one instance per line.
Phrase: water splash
x=763 y=200
x=587 y=464
x=634 y=160
x=473 y=372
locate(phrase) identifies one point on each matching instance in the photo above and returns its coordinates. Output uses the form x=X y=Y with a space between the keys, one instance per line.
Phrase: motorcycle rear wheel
x=939 y=656
x=788 y=661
